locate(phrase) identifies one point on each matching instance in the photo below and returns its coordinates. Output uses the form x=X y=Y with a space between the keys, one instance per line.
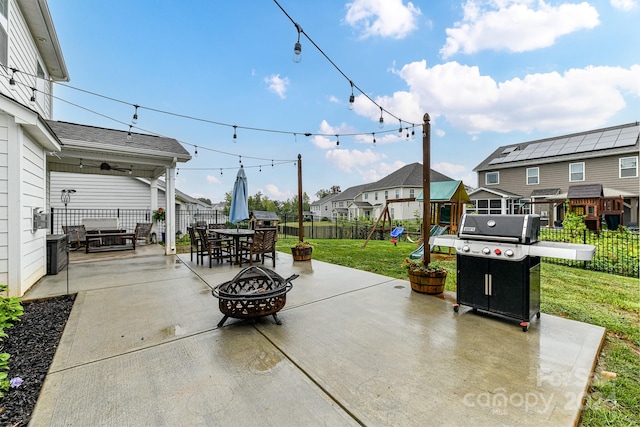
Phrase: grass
x=597 y=298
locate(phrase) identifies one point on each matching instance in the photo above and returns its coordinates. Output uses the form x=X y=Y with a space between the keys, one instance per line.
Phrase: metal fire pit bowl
x=254 y=292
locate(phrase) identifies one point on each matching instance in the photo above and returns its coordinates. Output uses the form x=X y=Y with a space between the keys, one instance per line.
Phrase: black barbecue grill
x=498 y=260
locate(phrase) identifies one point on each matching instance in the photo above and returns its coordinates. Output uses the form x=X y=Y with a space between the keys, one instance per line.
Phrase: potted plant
x=159 y=215
x=426 y=279
x=302 y=251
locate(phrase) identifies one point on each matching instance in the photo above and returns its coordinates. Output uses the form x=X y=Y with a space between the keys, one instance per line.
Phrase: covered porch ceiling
x=93 y=150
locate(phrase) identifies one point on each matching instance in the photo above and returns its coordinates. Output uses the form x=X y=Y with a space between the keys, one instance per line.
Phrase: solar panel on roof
x=598 y=140
x=496 y=160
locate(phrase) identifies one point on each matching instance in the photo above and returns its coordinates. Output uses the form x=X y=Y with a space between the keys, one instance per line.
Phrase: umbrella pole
x=300 y=227
x=426 y=188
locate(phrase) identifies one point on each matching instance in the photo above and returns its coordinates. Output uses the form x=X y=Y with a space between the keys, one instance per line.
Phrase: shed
x=260 y=219
x=449 y=198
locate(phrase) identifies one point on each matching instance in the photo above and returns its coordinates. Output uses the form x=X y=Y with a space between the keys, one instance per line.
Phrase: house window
x=397 y=193
x=40 y=84
x=366 y=196
x=375 y=195
x=488 y=206
x=576 y=172
x=629 y=167
x=4 y=23
x=492 y=178
x=533 y=176
x=412 y=193
x=386 y=194
x=524 y=206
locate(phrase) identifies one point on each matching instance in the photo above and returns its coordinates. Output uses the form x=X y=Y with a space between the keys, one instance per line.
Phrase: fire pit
x=254 y=292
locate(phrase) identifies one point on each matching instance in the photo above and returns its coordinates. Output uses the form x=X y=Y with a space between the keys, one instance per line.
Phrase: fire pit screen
x=254 y=292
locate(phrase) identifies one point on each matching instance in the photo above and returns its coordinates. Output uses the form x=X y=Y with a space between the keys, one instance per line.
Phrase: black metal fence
x=616 y=251
x=128 y=218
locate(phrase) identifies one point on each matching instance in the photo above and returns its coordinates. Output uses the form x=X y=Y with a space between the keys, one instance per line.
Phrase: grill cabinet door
x=472 y=276
x=509 y=282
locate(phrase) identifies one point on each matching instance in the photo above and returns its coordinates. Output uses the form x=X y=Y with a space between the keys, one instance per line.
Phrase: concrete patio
x=141 y=347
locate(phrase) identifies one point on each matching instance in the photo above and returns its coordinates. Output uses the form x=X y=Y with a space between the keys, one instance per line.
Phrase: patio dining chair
x=213 y=247
x=143 y=232
x=263 y=243
x=196 y=244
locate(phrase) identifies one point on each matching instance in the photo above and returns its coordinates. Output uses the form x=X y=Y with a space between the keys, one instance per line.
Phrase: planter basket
x=428 y=283
x=301 y=254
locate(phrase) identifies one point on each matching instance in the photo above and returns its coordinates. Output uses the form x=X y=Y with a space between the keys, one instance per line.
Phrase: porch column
x=503 y=205
x=153 y=186
x=170 y=216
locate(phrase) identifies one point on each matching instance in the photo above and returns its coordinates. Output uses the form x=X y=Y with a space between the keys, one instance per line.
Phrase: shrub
x=10 y=312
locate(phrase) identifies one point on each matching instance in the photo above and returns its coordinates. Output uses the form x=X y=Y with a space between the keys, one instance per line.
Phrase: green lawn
x=591 y=297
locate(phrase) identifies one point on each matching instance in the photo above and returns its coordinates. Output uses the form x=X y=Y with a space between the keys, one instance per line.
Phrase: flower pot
x=431 y=283
x=301 y=254
x=164 y=237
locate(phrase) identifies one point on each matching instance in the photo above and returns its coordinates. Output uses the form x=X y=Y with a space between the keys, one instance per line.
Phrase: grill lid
x=503 y=228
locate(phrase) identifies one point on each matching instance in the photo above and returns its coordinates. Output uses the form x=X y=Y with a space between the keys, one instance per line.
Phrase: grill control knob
x=466 y=248
x=497 y=252
x=508 y=253
x=486 y=251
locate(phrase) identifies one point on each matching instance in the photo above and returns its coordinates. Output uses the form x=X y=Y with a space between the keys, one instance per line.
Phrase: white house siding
x=4 y=200
x=102 y=192
x=24 y=56
x=33 y=244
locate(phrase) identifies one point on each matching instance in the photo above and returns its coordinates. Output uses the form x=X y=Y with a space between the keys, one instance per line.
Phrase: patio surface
x=141 y=347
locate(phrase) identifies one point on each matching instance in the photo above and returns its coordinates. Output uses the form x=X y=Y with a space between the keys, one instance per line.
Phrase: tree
x=323 y=192
x=205 y=200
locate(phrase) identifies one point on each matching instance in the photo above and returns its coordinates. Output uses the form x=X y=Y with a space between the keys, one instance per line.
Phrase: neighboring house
x=322 y=208
x=368 y=200
x=538 y=176
x=31 y=60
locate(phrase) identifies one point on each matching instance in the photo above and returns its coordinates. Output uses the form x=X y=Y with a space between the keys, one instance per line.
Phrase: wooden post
x=426 y=187
x=300 y=226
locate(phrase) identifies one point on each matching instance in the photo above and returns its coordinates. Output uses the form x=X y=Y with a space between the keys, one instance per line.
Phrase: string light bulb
x=33 y=95
x=81 y=165
x=400 y=130
x=374 y=137
x=195 y=153
x=381 y=121
x=220 y=171
x=235 y=136
x=337 y=140
x=134 y=120
x=129 y=134
x=352 y=98
x=297 y=48
x=12 y=80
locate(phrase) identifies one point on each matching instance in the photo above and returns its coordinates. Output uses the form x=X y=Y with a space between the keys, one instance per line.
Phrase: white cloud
x=379 y=171
x=383 y=18
x=349 y=160
x=326 y=142
x=578 y=98
x=334 y=99
x=277 y=85
x=625 y=5
x=212 y=179
x=515 y=25
x=274 y=193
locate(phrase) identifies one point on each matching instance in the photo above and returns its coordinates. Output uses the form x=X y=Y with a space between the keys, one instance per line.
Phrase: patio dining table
x=236 y=234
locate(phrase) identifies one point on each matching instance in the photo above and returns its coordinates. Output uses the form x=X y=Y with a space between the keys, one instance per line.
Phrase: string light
x=129 y=133
x=81 y=165
x=374 y=137
x=240 y=160
x=12 y=80
x=297 y=48
x=381 y=121
x=337 y=140
x=220 y=171
x=33 y=95
x=235 y=137
x=134 y=120
x=195 y=153
x=352 y=98
x=400 y=130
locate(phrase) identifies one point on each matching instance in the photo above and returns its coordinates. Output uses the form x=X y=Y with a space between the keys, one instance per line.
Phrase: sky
x=488 y=73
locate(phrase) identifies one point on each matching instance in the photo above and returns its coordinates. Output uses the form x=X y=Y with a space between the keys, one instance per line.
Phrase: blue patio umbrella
x=239 y=199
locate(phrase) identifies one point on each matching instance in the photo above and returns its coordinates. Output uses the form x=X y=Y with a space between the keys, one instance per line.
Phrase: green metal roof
x=447 y=191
